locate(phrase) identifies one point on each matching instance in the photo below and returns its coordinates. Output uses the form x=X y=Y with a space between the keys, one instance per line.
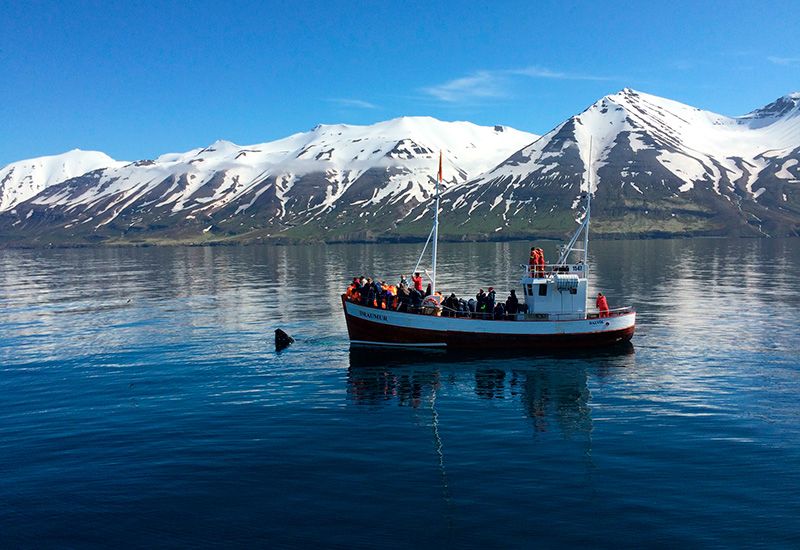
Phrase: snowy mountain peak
x=23 y=179
x=642 y=147
x=332 y=176
x=788 y=105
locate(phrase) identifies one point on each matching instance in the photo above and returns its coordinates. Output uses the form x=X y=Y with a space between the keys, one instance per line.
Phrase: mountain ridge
x=660 y=168
x=387 y=166
x=649 y=153
x=23 y=179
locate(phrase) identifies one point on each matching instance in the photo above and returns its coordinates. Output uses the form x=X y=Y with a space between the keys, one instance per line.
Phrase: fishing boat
x=555 y=313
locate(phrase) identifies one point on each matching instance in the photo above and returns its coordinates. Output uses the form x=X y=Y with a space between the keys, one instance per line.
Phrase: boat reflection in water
x=482 y=404
x=553 y=390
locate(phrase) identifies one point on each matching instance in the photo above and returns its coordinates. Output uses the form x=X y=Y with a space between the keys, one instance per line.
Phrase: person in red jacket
x=602 y=305
x=417 y=280
x=534 y=261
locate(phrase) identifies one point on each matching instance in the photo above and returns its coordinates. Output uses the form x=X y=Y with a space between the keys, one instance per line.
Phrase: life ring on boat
x=432 y=305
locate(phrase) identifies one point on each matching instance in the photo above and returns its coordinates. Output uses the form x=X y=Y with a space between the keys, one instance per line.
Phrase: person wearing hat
x=491 y=298
x=480 y=301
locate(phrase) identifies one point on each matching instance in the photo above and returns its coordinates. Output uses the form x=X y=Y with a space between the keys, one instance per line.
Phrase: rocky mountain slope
x=342 y=182
x=659 y=168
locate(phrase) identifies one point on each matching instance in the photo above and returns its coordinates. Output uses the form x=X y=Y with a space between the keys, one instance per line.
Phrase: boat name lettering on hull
x=376 y=316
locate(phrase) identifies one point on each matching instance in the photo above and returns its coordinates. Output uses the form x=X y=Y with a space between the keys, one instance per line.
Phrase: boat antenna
x=436 y=225
x=569 y=248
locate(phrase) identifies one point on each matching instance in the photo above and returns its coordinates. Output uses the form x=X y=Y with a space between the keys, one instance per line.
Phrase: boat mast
x=436 y=225
x=588 y=212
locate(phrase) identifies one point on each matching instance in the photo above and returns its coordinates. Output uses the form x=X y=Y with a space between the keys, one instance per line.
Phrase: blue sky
x=138 y=79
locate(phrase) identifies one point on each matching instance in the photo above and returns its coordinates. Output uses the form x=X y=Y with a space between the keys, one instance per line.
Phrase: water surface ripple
x=142 y=404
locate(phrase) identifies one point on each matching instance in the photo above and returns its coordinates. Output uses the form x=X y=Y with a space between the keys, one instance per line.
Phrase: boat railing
x=542 y=271
x=592 y=314
x=445 y=311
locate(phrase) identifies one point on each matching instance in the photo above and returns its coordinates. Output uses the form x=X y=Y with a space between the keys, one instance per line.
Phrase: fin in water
x=282 y=340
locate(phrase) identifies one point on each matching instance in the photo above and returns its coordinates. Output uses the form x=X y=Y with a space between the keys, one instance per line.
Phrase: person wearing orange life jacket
x=533 y=262
x=602 y=304
x=541 y=264
x=351 y=291
x=387 y=294
x=383 y=297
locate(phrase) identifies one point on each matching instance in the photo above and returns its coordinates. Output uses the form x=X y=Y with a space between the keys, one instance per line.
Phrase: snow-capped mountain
x=659 y=167
x=333 y=176
x=24 y=179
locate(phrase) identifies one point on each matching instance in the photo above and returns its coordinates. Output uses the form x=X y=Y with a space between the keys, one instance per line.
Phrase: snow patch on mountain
x=785 y=173
x=24 y=179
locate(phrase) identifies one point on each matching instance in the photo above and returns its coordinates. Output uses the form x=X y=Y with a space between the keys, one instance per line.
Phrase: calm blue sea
x=142 y=404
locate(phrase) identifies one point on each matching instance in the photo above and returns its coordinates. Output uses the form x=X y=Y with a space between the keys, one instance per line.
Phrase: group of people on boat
x=380 y=294
x=409 y=296
x=413 y=299
x=486 y=306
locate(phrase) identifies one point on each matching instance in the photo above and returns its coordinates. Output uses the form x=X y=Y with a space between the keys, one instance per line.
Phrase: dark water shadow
x=365 y=357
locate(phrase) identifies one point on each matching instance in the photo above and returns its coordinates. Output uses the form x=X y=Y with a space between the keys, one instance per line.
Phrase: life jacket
x=534 y=262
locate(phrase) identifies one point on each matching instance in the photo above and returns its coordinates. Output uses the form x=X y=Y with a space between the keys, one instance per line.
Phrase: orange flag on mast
x=440 y=166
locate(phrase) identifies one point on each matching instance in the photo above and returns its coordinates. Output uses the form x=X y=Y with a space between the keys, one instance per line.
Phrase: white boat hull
x=372 y=326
